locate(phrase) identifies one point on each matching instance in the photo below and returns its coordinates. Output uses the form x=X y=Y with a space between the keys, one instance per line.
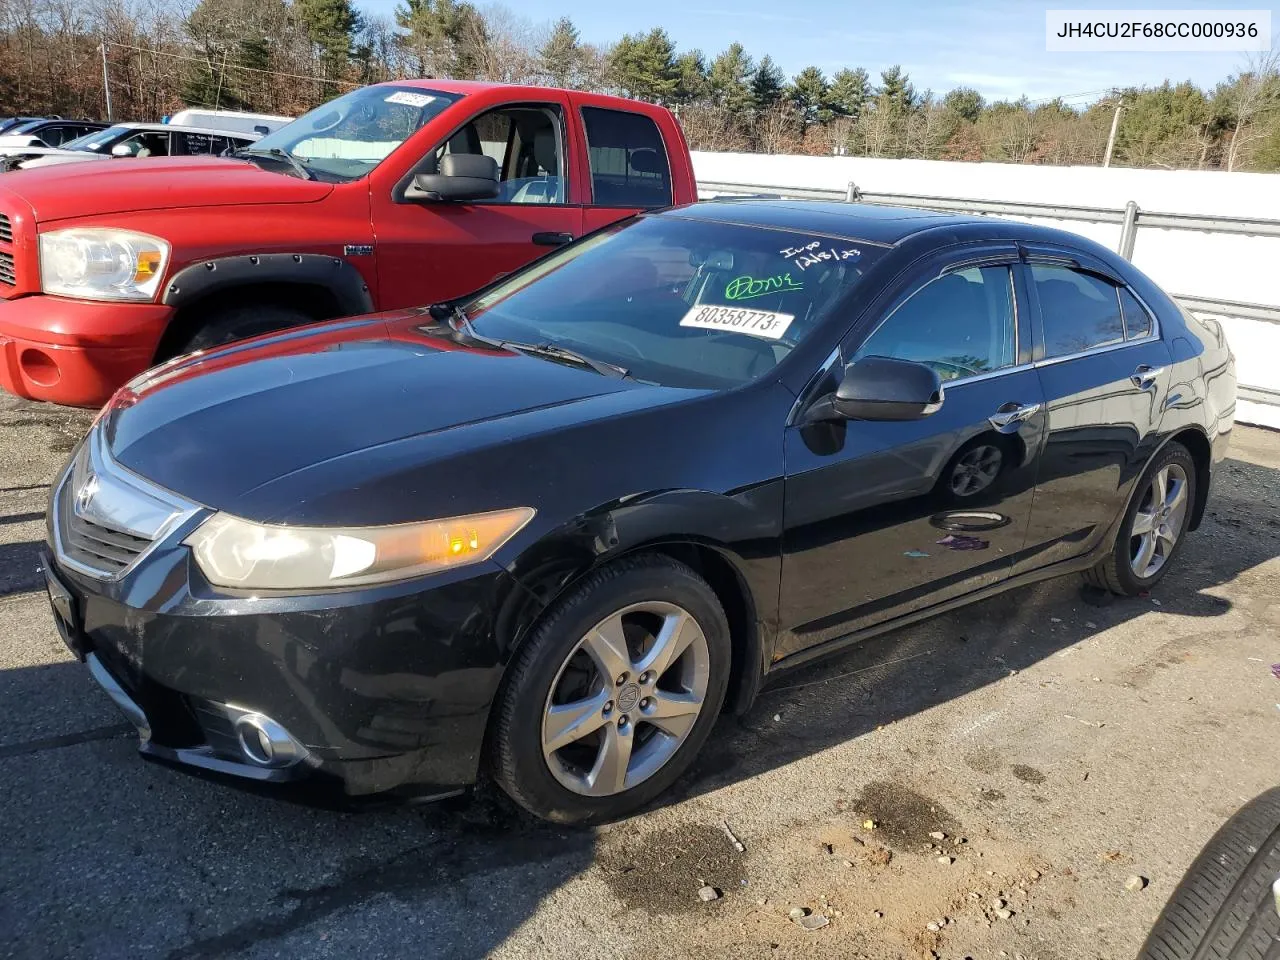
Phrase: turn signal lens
x=233 y=552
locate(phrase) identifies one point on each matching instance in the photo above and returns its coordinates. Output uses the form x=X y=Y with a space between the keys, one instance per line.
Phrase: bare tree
x=1256 y=97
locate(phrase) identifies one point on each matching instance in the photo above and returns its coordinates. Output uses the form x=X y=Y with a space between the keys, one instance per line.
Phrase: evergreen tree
x=810 y=94
x=964 y=103
x=691 y=77
x=850 y=91
x=896 y=90
x=767 y=85
x=330 y=25
x=441 y=36
x=730 y=79
x=644 y=65
x=561 y=56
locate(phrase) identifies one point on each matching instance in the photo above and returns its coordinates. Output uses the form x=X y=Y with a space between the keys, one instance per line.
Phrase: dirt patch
x=661 y=872
x=903 y=818
x=984 y=761
x=1027 y=774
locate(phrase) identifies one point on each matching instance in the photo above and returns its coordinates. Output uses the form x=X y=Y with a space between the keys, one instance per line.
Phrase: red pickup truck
x=393 y=195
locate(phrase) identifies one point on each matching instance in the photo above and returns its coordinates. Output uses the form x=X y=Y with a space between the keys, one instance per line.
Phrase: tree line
x=285 y=56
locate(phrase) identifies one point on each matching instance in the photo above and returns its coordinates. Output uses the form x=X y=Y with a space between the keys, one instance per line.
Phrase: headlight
x=239 y=553
x=101 y=264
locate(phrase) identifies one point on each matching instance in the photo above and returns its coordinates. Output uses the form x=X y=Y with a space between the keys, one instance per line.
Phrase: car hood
x=217 y=427
x=57 y=191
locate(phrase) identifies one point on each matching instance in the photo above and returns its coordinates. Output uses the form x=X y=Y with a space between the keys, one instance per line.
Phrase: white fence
x=1211 y=239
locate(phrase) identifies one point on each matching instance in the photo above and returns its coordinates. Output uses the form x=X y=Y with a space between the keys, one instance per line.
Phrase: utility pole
x=106 y=80
x=1111 y=140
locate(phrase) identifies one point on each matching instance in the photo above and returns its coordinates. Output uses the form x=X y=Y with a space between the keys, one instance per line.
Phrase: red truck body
x=241 y=234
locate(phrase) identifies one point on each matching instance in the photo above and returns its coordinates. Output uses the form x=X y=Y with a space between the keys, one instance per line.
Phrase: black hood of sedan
x=215 y=427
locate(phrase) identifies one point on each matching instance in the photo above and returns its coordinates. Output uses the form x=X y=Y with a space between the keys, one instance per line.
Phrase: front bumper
x=386 y=690
x=76 y=352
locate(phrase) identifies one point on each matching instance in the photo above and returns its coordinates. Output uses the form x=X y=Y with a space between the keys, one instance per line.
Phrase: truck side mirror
x=462 y=177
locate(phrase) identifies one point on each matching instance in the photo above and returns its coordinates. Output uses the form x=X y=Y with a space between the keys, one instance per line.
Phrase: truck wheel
x=1225 y=907
x=239 y=322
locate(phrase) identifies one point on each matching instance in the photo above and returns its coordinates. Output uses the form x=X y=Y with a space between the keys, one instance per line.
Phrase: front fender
x=334 y=274
x=742 y=530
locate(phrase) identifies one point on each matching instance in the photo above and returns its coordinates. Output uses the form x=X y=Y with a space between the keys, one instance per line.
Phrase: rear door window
x=1137 y=321
x=628 y=159
x=1079 y=311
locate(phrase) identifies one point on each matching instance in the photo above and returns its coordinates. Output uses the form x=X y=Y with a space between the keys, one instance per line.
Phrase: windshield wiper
x=458 y=319
x=275 y=153
x=553 y=352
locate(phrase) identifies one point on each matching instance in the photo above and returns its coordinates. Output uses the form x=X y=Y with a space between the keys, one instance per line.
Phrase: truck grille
x=6 y=229
x=7 y=275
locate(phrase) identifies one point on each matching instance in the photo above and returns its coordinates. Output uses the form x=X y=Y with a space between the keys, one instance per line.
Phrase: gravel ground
x=1059 y=749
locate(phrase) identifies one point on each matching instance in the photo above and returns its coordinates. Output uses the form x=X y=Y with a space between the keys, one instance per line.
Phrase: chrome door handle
x=1012 y=413
x=1144 y=377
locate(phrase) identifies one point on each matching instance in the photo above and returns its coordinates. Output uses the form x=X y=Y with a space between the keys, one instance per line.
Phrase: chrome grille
x=105 y=518
x=93 y=544
x=7 y=275
x=6 y=228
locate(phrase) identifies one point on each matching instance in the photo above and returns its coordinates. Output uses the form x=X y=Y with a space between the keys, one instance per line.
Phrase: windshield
x=346 y=138
x=96 y=140
x=25 y=127
x=679 y=302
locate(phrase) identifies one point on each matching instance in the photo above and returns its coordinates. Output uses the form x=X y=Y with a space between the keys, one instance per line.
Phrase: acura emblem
x=84 y=496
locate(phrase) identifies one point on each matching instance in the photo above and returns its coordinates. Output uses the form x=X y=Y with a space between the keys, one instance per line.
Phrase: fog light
x=39 y=367
x=265 y=742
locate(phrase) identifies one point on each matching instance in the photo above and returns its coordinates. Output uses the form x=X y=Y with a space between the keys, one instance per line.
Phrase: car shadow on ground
x=205 y=870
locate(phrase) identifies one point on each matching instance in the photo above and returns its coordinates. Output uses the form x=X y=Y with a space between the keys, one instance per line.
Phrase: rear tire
x=1224 y=907
x=239 y=323
x=617 y=754
x=1134 y=567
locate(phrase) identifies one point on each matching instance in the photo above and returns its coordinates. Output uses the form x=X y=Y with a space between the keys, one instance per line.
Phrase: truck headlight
x=233 y=552
x=97 y=263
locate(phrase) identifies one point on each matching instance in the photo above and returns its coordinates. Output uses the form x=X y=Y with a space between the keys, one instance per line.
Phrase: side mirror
x=462 y=176
x=122 y=150
x=879 y=388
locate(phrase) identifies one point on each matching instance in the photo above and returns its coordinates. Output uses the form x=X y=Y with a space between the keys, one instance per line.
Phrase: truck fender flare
x=339 y=277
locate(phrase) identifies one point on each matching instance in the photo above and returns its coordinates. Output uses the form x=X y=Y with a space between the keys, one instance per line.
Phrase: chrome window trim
x=1092 y=351
x=103 y=464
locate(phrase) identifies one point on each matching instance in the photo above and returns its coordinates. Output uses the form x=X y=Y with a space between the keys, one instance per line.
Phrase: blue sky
x=996 y=46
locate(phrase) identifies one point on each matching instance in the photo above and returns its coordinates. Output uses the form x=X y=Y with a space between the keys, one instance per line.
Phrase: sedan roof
x=854 y=221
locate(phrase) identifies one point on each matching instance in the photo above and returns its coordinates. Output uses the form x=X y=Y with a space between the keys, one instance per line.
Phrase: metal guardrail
x=1130 y=217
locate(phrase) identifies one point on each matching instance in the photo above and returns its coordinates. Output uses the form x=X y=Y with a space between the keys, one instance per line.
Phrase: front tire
x=240 y=322
x=1154 y=525
x=614 y=692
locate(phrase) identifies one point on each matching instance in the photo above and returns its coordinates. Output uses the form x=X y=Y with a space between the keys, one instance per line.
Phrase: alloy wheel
x=1157 y=525
x=625 y=699
x=976 y=470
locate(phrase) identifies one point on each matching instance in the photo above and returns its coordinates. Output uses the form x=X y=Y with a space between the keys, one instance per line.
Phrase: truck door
x=434 y=250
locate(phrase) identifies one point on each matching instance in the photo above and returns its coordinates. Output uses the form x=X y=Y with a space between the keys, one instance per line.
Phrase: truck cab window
x=629 y=165
x=526 y=143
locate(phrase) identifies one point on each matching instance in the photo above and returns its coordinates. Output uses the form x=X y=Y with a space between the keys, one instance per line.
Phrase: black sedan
x=550 y=531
